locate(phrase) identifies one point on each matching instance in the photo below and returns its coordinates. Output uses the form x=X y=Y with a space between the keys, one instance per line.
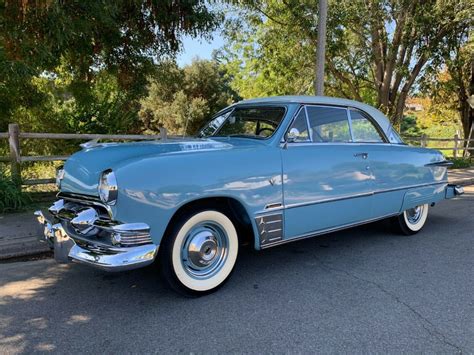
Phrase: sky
x=198 y=47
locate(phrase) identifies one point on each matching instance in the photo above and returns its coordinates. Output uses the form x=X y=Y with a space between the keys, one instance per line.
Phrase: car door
x=395 y=167
x=326 y=178
x=387 y=165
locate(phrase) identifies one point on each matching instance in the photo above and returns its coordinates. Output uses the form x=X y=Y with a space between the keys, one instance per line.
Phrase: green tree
x=182 y=100
x=451 y=80
x=377 y=49
x=84 y=40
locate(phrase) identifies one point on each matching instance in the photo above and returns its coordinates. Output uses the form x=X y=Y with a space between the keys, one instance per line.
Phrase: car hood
x=83 y=169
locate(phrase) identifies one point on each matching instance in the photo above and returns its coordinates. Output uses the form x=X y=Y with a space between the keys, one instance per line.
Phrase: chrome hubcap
x=414 y=214
x=204 y=250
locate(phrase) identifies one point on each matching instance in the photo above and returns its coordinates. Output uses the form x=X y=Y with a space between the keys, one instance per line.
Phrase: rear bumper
x=453 y=191
x=68 y=248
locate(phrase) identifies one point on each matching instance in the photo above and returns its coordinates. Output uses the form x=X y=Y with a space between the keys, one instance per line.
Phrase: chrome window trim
x=332 y=143
x=310 y=131
x=311 y=142
x=293 y=119
x=386 y=141
x=349 y=119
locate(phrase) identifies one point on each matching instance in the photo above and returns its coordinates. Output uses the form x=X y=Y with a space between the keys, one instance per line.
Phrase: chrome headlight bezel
x=108 y=188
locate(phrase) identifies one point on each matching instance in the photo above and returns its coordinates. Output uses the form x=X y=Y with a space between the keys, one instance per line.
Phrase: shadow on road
x=363 y=289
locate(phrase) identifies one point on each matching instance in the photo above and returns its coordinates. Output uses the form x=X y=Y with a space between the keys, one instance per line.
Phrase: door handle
x=361 y=155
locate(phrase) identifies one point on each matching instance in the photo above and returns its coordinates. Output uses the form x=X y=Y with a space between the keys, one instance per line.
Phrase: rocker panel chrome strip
x=324 y=231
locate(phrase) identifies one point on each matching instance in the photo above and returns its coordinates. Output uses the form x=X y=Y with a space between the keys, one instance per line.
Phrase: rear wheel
x=199 y=254
x=412 y=220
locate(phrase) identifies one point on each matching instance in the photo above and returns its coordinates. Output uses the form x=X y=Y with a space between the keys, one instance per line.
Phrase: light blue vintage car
x=265 y=172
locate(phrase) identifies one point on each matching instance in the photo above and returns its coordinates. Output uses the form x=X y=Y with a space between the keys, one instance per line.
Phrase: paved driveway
x=357 y=291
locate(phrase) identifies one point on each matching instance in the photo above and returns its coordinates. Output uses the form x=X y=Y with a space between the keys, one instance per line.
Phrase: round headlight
x=108 y=189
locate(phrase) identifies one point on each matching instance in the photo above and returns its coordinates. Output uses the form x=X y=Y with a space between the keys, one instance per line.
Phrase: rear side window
x=328 y=124
x=363 y=130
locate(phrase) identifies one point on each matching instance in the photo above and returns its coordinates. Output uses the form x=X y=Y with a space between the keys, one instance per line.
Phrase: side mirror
x=292 y=135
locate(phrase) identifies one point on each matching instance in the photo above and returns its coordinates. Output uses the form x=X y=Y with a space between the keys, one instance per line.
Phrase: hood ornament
x=90 y=144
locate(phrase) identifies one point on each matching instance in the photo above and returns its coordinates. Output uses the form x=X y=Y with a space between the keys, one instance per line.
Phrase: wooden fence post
x=14 y=142
x=456 y=145
x=423 y=140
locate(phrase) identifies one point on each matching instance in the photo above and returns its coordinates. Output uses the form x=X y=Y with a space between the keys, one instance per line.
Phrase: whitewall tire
x=412 y=220
x=200 y=252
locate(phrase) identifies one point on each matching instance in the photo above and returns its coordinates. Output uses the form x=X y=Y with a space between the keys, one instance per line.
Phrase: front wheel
x=412 y=220
x=199 y=253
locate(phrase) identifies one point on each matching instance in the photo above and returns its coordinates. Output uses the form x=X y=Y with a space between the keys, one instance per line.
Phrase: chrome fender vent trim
x=270 y=228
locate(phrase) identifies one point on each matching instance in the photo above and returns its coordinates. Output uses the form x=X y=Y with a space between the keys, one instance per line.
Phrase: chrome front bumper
x=95 y=247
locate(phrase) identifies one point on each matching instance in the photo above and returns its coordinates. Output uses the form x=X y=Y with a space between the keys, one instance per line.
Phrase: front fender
x=152 y=189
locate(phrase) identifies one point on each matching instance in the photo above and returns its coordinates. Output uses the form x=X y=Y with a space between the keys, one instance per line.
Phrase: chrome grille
x=88 y=221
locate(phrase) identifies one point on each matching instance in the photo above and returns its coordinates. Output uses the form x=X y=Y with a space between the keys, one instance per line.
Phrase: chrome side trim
x=410 y=187
x=273 y=206
x=325 y=231
x=365 y=194
x=270 y=228
x=309 y=203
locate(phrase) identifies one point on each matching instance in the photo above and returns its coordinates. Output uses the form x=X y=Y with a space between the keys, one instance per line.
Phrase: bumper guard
x=69 y=244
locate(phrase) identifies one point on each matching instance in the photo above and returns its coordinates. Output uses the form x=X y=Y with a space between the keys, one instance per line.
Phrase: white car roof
x=381 y=119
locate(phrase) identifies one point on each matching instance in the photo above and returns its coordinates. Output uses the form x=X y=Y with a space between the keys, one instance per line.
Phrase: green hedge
x=11 y=197
x=460 y=163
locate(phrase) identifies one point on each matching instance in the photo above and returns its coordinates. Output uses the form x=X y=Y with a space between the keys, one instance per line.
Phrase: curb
x=25 y=256
x=463 y=182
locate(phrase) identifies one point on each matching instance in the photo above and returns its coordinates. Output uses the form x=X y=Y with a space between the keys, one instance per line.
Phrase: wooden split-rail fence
x=14 y=136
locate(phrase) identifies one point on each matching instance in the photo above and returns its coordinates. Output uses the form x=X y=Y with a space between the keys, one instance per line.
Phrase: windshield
x=249 y=122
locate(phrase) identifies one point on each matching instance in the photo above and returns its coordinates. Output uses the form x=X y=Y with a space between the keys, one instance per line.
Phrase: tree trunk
x=465 y=109
x=321 y=48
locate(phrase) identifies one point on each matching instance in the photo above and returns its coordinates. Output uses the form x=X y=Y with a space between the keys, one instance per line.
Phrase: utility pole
x=321 y=48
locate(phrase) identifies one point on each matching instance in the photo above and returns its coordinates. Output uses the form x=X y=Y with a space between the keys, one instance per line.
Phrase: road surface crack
x=426 y=323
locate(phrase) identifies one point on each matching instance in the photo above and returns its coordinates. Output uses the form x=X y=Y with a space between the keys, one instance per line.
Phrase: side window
x=363 y=130
x=300 y=127
x=328 y=124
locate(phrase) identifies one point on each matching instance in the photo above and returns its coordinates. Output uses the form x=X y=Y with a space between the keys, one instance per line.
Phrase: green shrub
x=11 y=197
x=460 y=163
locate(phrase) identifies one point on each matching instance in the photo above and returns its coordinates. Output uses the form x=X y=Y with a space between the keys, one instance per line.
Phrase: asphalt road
x=358 y=291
